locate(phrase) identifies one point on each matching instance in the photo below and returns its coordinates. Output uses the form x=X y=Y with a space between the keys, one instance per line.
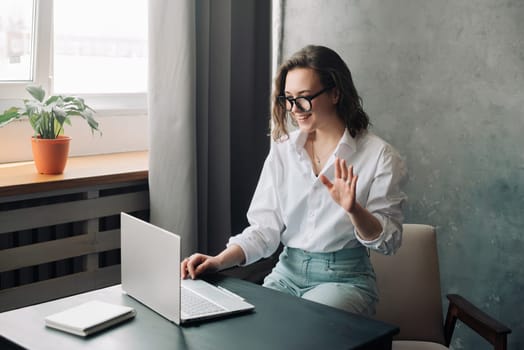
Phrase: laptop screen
x=150 y=260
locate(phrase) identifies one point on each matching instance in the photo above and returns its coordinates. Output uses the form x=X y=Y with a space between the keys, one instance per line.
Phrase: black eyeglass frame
x=282 y=99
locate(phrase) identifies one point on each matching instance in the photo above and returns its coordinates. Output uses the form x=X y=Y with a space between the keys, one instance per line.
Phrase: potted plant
x=47 y=117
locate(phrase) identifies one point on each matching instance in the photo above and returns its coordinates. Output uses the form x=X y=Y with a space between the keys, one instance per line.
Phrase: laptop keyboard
x=195 y=305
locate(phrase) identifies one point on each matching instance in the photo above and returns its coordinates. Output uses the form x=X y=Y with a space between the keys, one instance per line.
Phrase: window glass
x=16 y=40
x=100 y=46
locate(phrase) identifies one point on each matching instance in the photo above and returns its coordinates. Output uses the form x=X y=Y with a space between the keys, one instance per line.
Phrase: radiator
x=64 y=242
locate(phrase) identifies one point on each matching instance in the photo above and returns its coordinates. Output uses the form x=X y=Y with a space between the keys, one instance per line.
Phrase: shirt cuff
x=389 y=239
x=237 y=241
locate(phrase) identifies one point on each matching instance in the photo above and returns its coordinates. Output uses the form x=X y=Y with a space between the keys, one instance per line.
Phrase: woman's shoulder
x=288 y=140
x=291 y=136
x=371 y=141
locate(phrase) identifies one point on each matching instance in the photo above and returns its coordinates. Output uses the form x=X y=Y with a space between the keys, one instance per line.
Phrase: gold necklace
x=316 y=158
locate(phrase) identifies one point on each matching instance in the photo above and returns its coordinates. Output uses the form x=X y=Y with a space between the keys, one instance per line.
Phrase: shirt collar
x=348 y=140
x=347 y=144
x=299 y=138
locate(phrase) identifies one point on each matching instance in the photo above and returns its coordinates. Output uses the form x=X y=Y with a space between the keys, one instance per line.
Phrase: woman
x=328 y=191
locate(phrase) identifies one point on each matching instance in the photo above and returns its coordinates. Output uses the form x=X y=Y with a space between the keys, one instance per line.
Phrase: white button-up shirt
x=292 y=206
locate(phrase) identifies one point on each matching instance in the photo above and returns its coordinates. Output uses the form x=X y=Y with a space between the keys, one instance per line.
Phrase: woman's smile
x=301 y=117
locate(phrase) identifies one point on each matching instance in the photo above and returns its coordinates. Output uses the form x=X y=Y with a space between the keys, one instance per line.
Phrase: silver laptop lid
x=148 y=254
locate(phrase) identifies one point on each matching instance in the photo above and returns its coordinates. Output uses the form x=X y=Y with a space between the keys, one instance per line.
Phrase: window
x=90 y=47
x=17 y=18
x=103 y=50
x=93 y=48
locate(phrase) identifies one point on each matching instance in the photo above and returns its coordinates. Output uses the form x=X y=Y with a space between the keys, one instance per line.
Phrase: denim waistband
x=339 y=255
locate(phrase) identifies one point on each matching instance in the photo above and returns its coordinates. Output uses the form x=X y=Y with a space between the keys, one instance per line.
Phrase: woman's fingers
x=338 y=171
x=350 y=174
x=183 y=269
x=189 y=266
x=343 y=169
x=194 y=261
x=353 y=186
x=326 y=182
x=206 y=266
x=343 y=192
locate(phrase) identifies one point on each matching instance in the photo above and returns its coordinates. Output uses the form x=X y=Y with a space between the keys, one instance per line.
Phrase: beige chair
x=410 y=297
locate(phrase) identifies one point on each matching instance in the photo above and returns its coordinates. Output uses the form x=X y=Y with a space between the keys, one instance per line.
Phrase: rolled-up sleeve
x=262 y=237
x=385 y=201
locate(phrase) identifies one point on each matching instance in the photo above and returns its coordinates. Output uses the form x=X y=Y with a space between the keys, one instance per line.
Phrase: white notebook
x=89 y=317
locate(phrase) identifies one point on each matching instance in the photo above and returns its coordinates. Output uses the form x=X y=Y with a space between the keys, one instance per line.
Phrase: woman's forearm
x=367 y=226
x=231 y=256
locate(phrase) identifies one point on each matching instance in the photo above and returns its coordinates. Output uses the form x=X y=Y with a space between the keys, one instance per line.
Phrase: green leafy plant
x=48 y=116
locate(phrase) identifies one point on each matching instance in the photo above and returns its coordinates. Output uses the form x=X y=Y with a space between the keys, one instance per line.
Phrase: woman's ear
x=335 y=96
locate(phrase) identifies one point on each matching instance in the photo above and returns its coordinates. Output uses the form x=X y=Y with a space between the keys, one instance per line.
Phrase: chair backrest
x=409 y=286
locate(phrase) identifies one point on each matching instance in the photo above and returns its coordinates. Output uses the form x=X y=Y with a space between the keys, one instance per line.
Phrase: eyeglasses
x=303 y=102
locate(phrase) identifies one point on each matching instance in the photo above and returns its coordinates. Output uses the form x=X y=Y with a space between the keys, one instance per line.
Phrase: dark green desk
x=279 y=321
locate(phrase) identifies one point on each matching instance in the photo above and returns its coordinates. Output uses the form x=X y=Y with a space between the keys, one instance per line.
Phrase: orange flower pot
x=50 y=155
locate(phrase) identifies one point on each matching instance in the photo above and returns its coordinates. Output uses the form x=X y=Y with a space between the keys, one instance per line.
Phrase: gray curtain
x=171 y=110
x=208 y=106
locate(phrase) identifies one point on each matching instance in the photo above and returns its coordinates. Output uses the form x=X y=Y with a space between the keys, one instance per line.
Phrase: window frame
x=13 y=92
x=123 y=117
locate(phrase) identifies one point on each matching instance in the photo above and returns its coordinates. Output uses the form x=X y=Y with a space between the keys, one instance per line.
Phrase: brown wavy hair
x=332 y=71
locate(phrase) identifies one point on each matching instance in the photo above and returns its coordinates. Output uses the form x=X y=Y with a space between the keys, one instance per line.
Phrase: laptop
x=150 y=262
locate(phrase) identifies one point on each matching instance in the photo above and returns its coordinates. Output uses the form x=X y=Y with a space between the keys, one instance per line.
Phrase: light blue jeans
x=344 y=279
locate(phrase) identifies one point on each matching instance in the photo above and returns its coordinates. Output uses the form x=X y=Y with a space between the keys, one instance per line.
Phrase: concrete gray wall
x=443 y=82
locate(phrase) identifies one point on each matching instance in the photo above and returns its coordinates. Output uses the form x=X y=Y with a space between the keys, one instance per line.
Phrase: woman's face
x=306 y=82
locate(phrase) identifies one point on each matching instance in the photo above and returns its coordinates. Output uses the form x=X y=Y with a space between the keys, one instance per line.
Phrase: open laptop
x=150 y=258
